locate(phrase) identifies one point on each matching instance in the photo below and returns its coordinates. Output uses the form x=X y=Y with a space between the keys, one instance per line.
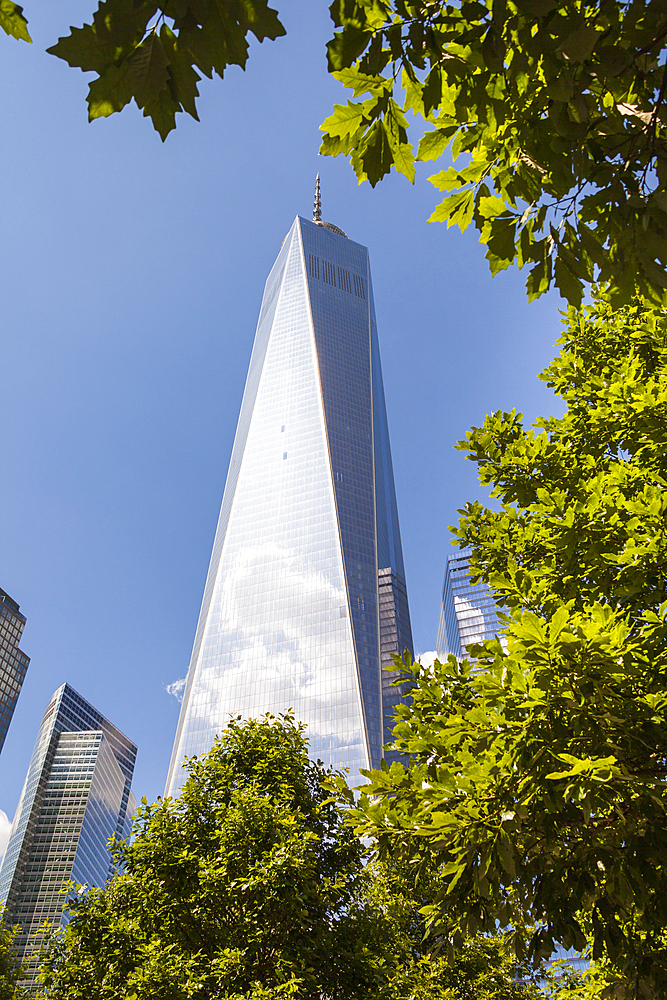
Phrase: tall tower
x=75 y=797
x=468 y=613
x=305 y=599
x=13 y=662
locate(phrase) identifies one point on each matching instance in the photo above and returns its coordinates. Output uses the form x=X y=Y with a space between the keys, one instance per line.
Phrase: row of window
x=334 y=274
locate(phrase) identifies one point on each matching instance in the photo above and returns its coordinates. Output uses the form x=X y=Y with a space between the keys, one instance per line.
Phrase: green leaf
x=561 y=88
x=506 y=855
x=591 y=245
x=361 y=83
x=346 y=46
x=194 y=40
x=433 y=144
x=404 y=160
x=184 y=78
x=13 y=22
x=162 y=111
x=456 y=210
x=564 y=124
x=538 y=279
x=580 y=44
x=123 y=22
x=376 y=153
x=346 y=119
x=447 y=180
x=147 y=70
x=84 y=48
x=228 y=44
x=502 y=243
x=110 y=92
x=403 y=157
x=413 y=94
x=493 y=50
x=332 y=145
x=262 y=20
x=489 y=207
x=570 y=287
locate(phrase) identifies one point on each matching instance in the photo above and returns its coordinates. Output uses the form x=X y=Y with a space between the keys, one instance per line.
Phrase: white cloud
x=427 y=659
x=5 y=828
x=176 y=688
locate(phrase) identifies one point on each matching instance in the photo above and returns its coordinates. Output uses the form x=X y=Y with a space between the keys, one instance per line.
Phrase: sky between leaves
x=132 y=276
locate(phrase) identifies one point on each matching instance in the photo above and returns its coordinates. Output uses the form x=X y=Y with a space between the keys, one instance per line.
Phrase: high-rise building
x=75 y=797
x=468 y=612
x=13 y=662
x=305 y=599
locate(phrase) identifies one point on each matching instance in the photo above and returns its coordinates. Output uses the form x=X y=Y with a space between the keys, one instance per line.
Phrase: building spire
x=317 y=204
x=317 y=211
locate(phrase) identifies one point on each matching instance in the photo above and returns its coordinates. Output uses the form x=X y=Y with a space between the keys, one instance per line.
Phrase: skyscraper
x=75 y=797
x=13 y=662
x=468 y=612
x=305 y=599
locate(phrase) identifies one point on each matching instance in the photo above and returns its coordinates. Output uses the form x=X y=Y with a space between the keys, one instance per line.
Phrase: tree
x=248 y=883
x=538 y=782
x=483 y=969
x=10 y=968
x=251 y=885
x=558 y=109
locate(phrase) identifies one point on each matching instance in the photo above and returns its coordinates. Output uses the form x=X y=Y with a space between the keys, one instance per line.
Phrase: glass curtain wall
x=13 y=661
x=290 y=616
x=78 y=779
x=82 y=798
x=468 y=612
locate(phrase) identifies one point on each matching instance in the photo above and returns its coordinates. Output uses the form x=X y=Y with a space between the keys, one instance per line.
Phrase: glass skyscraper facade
x=13 y=662
x=75 y=797
x=305 y=599
x=468 y=612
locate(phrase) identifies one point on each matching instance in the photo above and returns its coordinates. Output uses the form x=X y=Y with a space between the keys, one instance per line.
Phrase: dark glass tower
x=305 y=599
x=75 y=797
x=13 y=662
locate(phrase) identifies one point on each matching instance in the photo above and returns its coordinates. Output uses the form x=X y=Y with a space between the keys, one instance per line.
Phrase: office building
x=305 y=599
x=13 y=662
x=468 y=612
x=75 y=797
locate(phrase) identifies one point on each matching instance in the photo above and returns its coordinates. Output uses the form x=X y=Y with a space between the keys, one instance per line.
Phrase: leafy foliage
x=247 y=884
x=483 y=969
x=537 y=786
x=10 y=968
x=252 y=885
x=150 y=51
x=12 y=20
x=558 y=111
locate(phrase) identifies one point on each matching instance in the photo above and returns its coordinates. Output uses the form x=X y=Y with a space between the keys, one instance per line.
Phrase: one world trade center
x=305 y=600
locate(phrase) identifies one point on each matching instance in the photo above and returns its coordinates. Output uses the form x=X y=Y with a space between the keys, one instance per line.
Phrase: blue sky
x=132 y=274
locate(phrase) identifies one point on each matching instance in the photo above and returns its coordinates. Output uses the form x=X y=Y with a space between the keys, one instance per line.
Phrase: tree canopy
x=538 y=782
x=10 y=967
x=250 y=884
x=247 y=883
x=557 y=111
